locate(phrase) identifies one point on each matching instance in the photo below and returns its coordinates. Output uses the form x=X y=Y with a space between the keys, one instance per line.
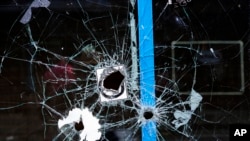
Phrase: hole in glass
x=148 y=115
x=113 y=81
x=79 y=126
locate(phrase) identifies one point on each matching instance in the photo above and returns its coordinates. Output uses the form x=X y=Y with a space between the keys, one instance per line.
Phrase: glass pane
x=201 y=48
x=70 y=70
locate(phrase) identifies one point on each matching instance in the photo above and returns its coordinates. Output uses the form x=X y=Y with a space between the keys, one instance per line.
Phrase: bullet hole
x=113 y=81
x=79 y=126
x=148 y=115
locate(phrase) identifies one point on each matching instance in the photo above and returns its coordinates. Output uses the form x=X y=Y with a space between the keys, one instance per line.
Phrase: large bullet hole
x=148 y=115
x=113 y=81
x=79 y=126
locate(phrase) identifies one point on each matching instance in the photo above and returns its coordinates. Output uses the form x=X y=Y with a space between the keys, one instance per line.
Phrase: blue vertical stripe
x=146 y=62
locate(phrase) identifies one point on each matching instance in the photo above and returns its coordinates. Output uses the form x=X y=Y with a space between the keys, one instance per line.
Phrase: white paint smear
x=91 y=124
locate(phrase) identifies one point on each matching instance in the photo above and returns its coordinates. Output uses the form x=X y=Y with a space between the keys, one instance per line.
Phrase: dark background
x=206 y=20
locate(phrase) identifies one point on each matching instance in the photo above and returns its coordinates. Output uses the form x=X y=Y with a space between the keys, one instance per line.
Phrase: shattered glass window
x=70 y=70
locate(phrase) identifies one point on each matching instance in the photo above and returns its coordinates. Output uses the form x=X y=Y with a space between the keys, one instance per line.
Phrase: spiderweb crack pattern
x=60 y=51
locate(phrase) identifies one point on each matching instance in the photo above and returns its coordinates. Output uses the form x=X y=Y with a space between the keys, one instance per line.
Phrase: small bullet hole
x=148 y=115
x=79 y=126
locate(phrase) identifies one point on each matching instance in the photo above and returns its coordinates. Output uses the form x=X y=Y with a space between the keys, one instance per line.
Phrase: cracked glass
x=69 y=70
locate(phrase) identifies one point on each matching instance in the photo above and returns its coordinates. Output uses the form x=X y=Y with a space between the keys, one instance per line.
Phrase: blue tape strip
x=147 y=74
